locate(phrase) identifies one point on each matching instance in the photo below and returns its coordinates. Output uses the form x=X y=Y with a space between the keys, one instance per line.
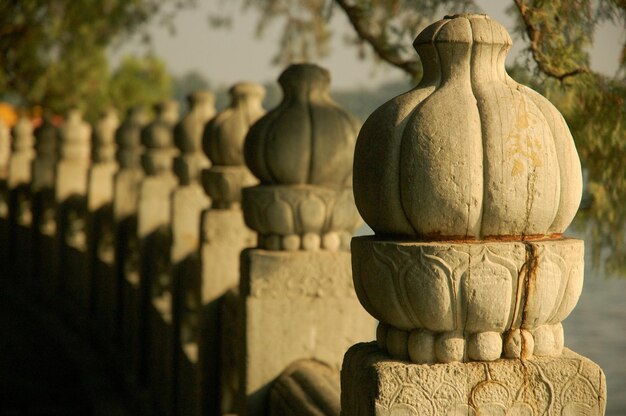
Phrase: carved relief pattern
x=446 y=292
x=565 y=386
x=306 y=281
x=224 y=184
x=301 y=217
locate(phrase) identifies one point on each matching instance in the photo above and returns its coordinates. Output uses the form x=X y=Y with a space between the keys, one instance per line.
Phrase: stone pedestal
x=123 y=307
x=5 y=152
x=102 y=247
x=44 y=207
x=154 y=293
x=20 y=202
x=295 y=305
x=223 y=236
x=374 y=384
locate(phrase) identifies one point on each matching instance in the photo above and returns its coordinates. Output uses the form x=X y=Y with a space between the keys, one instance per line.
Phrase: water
x=596 y=329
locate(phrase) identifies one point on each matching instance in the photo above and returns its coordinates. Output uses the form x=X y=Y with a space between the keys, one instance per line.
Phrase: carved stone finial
x=22 y=132
x=75 y=137
x=468 y=154
x=157 y=139
x=223 y=143
x=188 y=136
x=5 y=149
x=302 y=153
x=103 y=146
x=128 y=138
x=47 y=139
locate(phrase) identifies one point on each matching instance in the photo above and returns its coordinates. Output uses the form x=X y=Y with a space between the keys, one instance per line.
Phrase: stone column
x=100 y=223
x=188 y=203
x=154 y=235
x=123 y=309
x=469 y=181
x=71 y=199
x=20 y=201
x=5 y=154
x=223 y=236
x=296 y=295
x=44 y=206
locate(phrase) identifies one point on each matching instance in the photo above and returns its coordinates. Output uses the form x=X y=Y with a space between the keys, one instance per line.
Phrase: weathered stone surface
x=295 y=305
x=303 y=217
x=473 y=295
x=483 y=173
x=308 y=138
x=469 y=152
x=306 y=387
x=373 y=384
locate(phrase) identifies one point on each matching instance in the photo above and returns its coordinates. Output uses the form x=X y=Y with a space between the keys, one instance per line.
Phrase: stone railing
x=211 y=257
x=137 y=228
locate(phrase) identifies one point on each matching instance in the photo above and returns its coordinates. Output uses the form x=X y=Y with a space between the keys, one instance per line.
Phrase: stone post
x=154 y=236
x=20 y=201
x=5 y=154
x=71 y=199
x=469 y=181
x=223 y=236
x=44 y=206
x=188 y=203
x=296 y=295
x=123 y=309
x=100 y=225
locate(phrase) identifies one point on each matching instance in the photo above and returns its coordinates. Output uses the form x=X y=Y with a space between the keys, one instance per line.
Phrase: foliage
x=139 y=81
x=53 y=52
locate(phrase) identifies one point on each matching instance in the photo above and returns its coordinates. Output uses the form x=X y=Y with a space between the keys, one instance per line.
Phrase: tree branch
x=534 y=35
x=356 y=18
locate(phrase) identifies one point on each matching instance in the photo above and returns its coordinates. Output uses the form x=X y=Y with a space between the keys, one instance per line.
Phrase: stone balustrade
x=212 y=258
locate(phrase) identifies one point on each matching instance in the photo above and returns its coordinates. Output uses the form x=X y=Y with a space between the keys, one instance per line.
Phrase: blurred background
x=59 y=53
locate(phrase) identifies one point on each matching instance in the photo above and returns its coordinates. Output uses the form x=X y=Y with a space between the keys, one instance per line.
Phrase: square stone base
x=374 y=384
x=296 y=305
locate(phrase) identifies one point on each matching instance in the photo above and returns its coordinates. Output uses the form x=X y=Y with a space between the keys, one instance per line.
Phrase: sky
x=226 y=56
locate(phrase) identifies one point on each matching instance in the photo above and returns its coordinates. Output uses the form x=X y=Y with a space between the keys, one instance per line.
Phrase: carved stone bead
x=225 y=134
x=469 y=152
x=308 y=138
x=475 y=295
